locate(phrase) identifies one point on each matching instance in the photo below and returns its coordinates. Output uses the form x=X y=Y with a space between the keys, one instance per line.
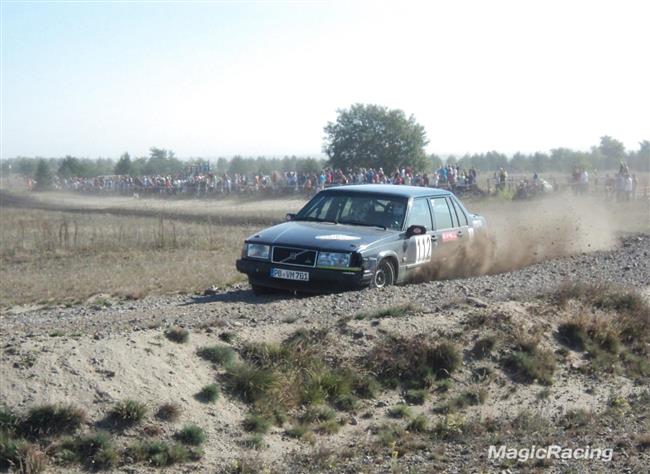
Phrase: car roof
x=389 y=189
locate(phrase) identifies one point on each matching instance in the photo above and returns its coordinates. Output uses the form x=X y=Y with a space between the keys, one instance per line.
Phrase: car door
x=419 y=248
x=466 y=232
x=447 y=231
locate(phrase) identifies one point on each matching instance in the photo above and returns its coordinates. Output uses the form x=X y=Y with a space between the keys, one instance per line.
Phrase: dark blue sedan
x=356 y=236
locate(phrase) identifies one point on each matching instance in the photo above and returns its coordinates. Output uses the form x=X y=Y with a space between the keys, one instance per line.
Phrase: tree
x=69 y=167
x=123 y=166
x=42 y=176
x=612 y=150
x=162 y=161
x=374 y=136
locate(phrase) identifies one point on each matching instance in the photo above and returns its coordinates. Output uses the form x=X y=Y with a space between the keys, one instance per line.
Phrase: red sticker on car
x=447 y=236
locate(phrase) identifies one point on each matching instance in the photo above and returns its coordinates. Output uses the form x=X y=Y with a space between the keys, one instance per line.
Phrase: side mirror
x=415 y=230
x=291 y=216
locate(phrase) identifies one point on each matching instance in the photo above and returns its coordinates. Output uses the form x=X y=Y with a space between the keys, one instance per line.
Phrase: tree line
x=362 y=136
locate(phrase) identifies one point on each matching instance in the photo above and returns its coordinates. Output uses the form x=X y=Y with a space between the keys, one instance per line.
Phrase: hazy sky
x=221 y=78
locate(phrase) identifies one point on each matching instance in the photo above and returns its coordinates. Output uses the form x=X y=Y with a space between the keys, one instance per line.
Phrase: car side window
x=462 y=218
x=420 y=214
x=441 y=213
x=454 y=217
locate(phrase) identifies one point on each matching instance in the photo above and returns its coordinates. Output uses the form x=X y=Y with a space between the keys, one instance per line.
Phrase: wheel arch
x=391 y=256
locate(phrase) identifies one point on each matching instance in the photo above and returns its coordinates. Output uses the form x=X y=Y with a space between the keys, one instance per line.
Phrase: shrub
x=128 y=413
x=465 y=399
x=483 y=347
x=8 y=421
x=177 y=334
x=329 y=427
x=528 y=367
x=346 y=402
x=317 y=413
x=95 y=451
x=418 y=424
x=400 y=411
x=255 y=441
x=528 y=363
x=364 y=386
x=416 y=396
x=298 y=431
x=209 y=393
x=415 y=362
x=577 y=418
x=227 y=336
x=217 y=354
x=389 y=434
x=192 y=435
x=18 y=455
x=256 y=424
x=47 y=420
x=169 y=412
x=159 y=453
x=389 y=312
x=573 y=334
x=247 y=382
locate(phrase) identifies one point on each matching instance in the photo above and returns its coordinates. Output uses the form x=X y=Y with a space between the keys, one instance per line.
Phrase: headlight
x=333 y=259
x=258 y=251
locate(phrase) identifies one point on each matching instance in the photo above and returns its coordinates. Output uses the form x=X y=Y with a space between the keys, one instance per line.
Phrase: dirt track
x=108 y=349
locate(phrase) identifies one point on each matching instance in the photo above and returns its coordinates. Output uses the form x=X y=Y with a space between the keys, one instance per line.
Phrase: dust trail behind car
x=524 y=233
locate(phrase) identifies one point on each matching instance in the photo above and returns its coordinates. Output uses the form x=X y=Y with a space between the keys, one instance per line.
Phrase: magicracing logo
x=549 y=452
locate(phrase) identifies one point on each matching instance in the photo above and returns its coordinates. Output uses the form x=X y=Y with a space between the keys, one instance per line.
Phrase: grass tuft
x=191 y=434
x=128 y=412
x=256 y=423
x=209 y=394
x=222 y=355
x=51 y=420
x=414 y=362
x=400 y=411
x=169 y=412
x=416 y=396
x=178 y=335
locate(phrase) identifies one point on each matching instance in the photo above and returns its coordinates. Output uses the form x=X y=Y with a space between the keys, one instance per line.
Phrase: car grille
x=293 y=256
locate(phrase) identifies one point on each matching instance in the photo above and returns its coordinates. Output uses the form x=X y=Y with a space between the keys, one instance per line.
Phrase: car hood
x=322 y=235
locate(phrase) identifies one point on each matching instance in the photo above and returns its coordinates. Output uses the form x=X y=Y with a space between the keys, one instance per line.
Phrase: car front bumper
x=320 y=280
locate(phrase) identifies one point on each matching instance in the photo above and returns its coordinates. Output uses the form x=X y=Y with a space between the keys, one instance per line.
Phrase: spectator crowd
x=202 y=182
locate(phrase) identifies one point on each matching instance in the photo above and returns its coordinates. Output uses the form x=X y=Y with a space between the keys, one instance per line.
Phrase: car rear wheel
x=384 y=275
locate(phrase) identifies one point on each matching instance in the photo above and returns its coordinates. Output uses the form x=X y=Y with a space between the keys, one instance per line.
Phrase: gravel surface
x=628 y=264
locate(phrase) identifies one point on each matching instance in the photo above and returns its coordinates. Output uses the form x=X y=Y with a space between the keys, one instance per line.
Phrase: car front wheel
x=384 y=275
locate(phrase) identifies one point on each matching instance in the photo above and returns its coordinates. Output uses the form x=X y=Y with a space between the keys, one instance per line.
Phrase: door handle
x=434 y=238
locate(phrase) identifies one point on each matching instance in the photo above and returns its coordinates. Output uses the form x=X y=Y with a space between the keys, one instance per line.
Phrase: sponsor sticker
x=448 y=236
x=337 y=237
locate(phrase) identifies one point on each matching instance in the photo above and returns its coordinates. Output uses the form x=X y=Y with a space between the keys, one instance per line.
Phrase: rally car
x=356 y=236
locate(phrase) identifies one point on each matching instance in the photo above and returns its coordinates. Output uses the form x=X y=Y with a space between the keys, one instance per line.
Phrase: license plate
x=289 y=274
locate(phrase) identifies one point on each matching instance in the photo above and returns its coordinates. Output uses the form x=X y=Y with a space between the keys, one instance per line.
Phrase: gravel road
x=628 y=264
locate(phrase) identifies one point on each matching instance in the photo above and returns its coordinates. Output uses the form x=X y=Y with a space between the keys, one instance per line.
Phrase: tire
x=384 y=275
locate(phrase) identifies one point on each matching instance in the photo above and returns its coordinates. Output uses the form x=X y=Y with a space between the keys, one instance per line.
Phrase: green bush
x=49 y=420
x=192 y=435
x=217 y=354
x=209 y=393
x=128 y=412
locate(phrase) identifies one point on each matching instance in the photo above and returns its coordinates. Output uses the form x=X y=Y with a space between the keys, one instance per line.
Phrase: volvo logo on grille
x=294 y=256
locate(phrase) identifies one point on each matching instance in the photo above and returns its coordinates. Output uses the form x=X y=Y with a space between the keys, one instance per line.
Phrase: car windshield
x=373 y=210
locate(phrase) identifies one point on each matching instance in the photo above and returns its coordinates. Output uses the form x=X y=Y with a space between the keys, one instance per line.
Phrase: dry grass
x=59 y=257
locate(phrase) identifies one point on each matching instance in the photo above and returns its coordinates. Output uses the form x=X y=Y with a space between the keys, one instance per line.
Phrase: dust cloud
x=526 y=232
